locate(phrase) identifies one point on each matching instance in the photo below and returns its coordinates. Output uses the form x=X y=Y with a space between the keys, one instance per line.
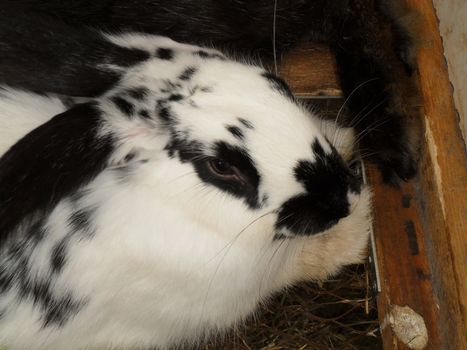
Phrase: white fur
x=172 y=258
x=20 y=112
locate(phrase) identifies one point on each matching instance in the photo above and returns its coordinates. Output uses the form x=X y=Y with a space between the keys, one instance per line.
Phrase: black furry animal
x=57 y=46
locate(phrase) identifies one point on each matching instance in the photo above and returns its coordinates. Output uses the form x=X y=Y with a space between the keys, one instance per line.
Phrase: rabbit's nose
x=308 y=214
x=327 y=181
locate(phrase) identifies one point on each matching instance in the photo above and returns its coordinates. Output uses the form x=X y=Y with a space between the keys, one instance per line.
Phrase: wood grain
x=443 y=182
x=406 y=277
x=311 y=71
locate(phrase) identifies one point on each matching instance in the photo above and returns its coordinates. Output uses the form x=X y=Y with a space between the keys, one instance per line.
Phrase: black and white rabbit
x=52 y=46
x=168 y=208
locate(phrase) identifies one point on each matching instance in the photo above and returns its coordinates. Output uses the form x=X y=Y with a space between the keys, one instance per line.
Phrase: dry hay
x=339 y=314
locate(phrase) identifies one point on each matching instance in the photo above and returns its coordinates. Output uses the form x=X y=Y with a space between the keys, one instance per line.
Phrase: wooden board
x=443 y=183
x=311 y=71
x=406 y=276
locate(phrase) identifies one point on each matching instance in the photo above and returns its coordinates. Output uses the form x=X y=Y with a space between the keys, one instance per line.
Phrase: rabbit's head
x=226 y=142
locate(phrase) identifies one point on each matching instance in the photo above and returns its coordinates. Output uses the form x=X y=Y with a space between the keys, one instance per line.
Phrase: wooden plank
x=311 y=71
x=443 y=182
x=406 y=278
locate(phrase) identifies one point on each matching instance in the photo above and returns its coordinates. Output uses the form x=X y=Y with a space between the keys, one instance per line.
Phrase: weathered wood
x=406 y=277
x=311 y=71
x=443 y=183
x=433 y=282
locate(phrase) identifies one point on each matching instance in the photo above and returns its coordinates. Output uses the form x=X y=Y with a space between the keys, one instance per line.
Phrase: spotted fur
x=155 y=214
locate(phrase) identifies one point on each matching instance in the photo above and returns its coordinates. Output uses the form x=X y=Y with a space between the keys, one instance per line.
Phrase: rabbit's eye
x=221 y=167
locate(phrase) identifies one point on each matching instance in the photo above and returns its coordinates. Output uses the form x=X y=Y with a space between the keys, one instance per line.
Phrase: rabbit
x=167 y=209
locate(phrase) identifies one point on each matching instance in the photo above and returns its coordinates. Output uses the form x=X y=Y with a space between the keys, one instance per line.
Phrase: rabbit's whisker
x=348 y=98
x=227 y=249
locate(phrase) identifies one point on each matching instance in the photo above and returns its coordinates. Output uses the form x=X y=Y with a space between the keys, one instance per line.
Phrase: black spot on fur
x=5 y=281
x=170 y=152
x=51 y=162
x=170 y=86
x=126 y=107
x=235 y=131
x=57 y=259
x=202 y=54
x=80 y=220
x=327 y=181
x=138 y=93
x=144 y=113
x=56 y=308
x=60 y=309
x=175 y=97
x=206 y=89
x=129 y=157
x=187 y=151
x=304 y=215
x=187 y=73
x=278 y=84
x=36 y=231
x=246 y=123
x=163 y=110
x=16 y=264
x=206 y=55
x=165 y=54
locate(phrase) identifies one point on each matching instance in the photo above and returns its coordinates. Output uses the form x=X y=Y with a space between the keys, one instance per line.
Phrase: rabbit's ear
x=50 y=163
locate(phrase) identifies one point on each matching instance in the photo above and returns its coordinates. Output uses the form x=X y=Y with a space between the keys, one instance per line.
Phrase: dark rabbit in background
x=56 y=46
